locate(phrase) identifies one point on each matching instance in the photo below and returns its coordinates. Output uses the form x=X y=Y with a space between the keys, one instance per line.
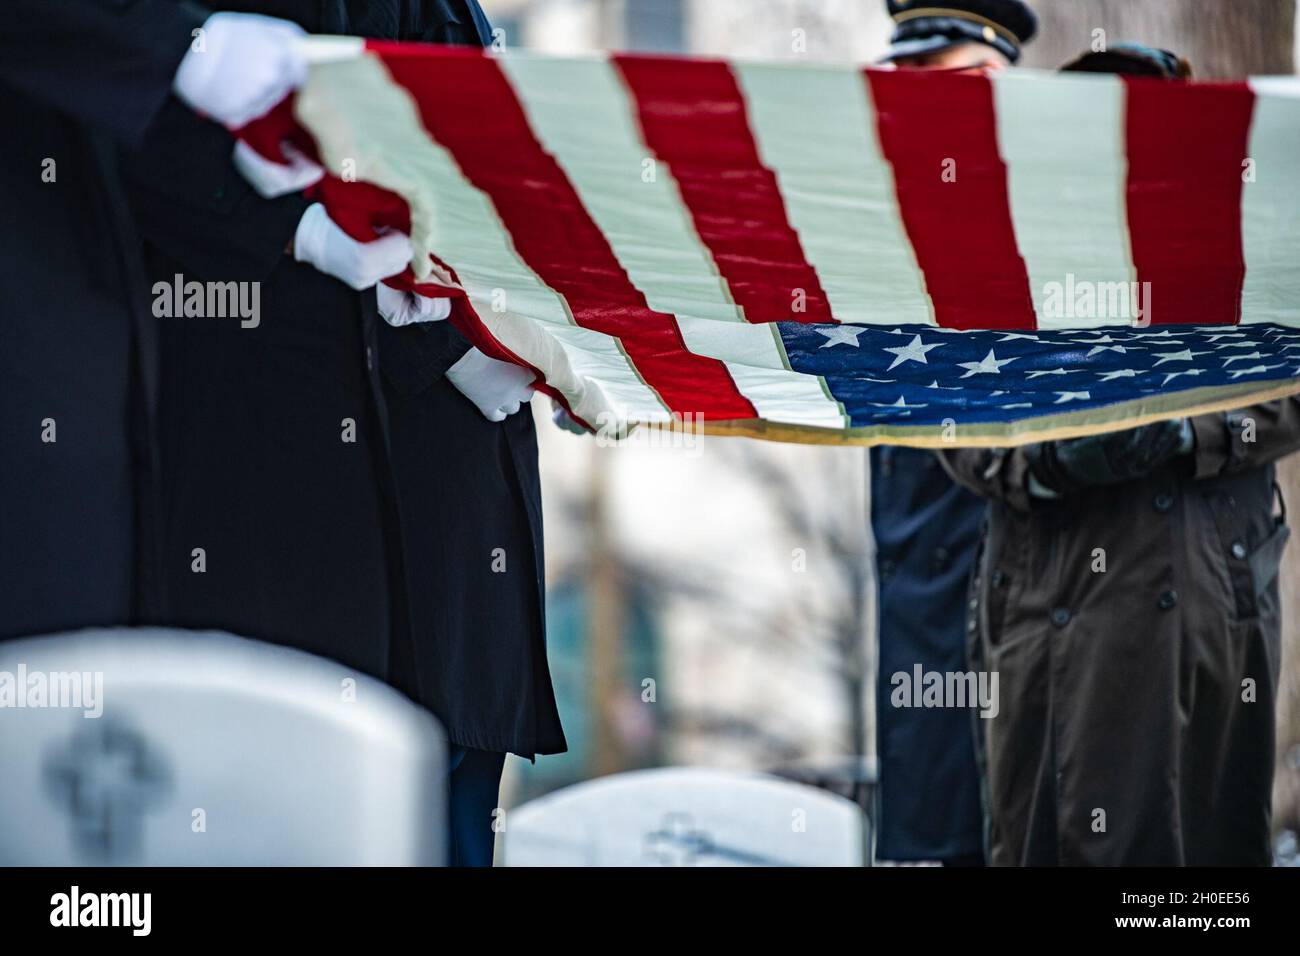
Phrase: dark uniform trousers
x=926 y=529
x=1135 y=632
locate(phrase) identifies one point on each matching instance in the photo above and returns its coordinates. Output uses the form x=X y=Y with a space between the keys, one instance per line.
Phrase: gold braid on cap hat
x=905 y=15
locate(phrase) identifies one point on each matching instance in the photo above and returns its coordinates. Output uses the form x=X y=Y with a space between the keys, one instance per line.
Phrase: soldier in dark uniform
x=81 y=84
x=412 y=552
x=1127 y=596
x=927 y=529
x=959 y=34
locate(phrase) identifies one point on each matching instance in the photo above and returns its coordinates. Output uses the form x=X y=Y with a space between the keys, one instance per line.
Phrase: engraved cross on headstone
x=107 y=778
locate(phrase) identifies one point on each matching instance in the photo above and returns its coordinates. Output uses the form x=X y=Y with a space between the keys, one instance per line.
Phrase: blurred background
x=715 y=605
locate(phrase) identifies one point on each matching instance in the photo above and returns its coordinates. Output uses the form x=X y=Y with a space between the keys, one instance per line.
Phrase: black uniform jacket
x=80 y=81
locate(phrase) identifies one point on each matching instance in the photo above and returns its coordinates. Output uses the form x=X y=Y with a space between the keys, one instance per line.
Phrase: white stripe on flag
x=1062 y=137
x=583 y=116
x=357 y=112
x=1270 y=205
x=328 y=49
x=838 y=189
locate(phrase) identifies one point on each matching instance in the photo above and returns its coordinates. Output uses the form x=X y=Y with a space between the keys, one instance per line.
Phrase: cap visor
x=919 y=47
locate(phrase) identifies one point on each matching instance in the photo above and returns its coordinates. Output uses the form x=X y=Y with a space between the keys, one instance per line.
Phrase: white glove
x=499 y=389
x=240 y=66
x=564 y=421
x=399 y=308
x=277 y=179
x=321 y=243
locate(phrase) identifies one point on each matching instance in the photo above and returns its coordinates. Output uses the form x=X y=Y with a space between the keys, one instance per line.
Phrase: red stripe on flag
x=960 y=225
x=468 y=106
x=693 y=118
x=1186 y=146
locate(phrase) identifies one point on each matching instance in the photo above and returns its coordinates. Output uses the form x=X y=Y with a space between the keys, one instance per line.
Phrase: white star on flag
x=914 y=351
x=1245 y=358
x=1169 y=377
x=990 y=365
x=901 y=403
x=841 y=335
x=1256 y=370
x=1101 y=344
x=1186 y=355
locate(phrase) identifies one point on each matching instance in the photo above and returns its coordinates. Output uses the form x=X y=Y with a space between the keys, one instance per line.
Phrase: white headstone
x=685 y=817
x=165 y=747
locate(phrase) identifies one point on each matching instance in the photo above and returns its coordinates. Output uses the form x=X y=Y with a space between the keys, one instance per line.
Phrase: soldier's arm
x=1000 y=474
x=1227 y=442
x=190 y=201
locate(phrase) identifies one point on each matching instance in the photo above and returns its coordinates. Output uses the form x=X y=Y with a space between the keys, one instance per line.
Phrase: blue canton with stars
x=923 y=375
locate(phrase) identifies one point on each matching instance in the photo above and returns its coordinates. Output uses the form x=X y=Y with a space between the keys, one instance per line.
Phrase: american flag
x=827 y=253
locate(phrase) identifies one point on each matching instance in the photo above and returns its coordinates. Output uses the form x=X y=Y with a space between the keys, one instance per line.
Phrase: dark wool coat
x=1135 y=631
x=378 y=552
x=80 y=81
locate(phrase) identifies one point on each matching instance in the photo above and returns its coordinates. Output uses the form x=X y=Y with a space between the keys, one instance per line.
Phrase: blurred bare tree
x=833 y=30
x=1222 y=38
x=841 y=562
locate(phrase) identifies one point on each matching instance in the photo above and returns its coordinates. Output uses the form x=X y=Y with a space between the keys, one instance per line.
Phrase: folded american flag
x=829 y=254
